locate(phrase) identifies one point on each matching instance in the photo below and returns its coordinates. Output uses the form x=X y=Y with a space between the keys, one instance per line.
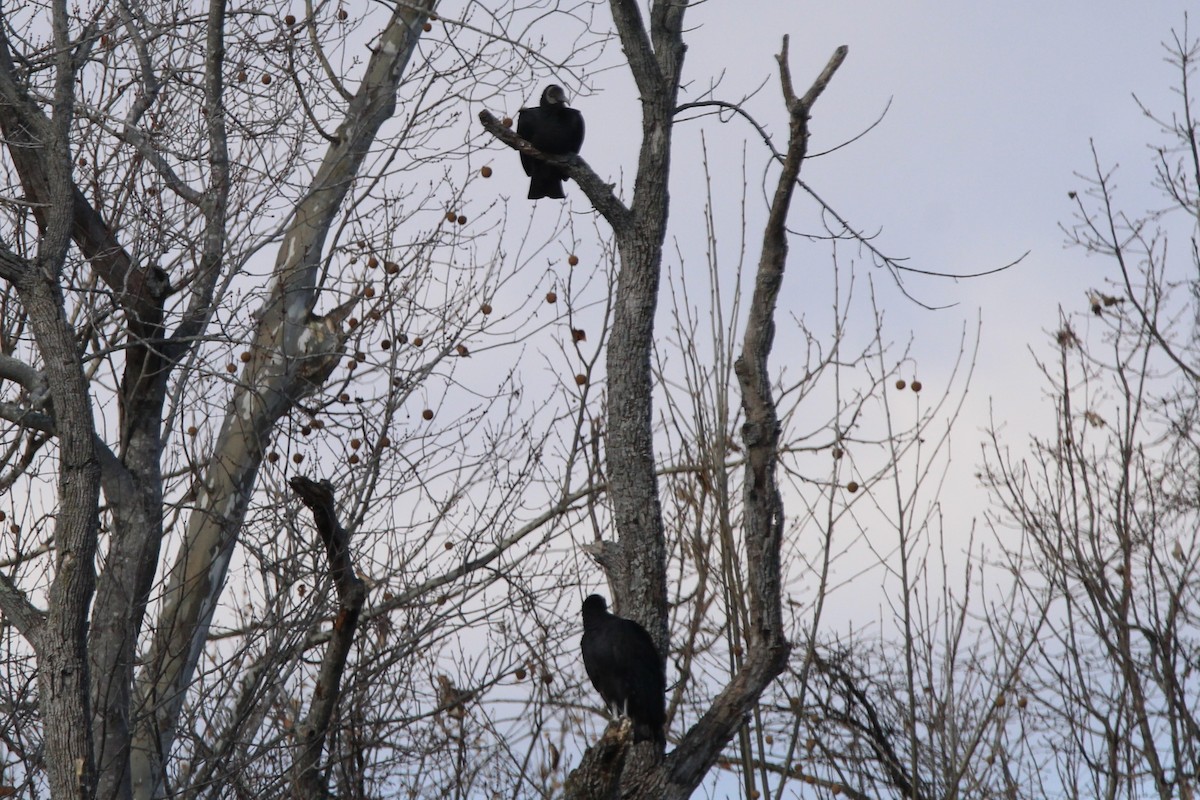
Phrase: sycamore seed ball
x=427 y=27
x=581 y=379
x=506 y=122
x=900 y=384
x=289 y=20
x=486 y=308
x=297 y=457
x=418 y=341
x=916 y=386
x=342 y=15
x=451 y=216
x=486 y=172
x=551 y=297
x=427 y=414
x=573 y=260
x=852 y=487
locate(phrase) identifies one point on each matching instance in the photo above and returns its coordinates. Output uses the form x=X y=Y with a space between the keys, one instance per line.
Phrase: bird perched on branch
x=555 y=129
x=624 y=666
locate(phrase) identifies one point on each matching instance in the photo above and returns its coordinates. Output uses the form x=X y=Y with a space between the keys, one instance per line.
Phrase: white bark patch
x=245 y=405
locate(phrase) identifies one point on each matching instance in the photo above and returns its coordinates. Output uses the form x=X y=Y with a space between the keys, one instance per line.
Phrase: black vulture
x=553 y=128
x=624 y=665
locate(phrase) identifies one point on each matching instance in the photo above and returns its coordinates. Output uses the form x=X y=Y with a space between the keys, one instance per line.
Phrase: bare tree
x=161 y=373
x=636 y=562
x=1106 y=504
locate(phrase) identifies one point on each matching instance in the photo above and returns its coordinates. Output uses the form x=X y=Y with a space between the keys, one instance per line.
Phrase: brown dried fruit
x=551 y=297
x=289 y=20
x=900 y=384
x=272 y=457
x=418 y=341
x=427 y=414
x=231 y=367
x=572 y=260
x=486 y=308
x=916 y=386
x=372 y=262
x=266 y=79
x=520 y=673
x=391 y=267
x=343 y=397
x=355 y=444
x=506 y=122
x=852 y=487
x=297 y=457
x=578 y=335
x=581 y=379
x=342 y=15
x=462 y=220
x=385 y=344
x=427 y=27
x=353 y=459
x=369 y=292
x=245 y=357
x=462 y=350
x=385 y=442
x=486 y=172
x=448 y=545
x=451 y=216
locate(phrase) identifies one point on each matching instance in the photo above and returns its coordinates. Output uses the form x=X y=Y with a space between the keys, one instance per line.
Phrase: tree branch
x=352 y=593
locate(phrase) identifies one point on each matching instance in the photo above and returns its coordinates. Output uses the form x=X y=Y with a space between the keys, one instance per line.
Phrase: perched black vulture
x=623 y=663
x=553 y=128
